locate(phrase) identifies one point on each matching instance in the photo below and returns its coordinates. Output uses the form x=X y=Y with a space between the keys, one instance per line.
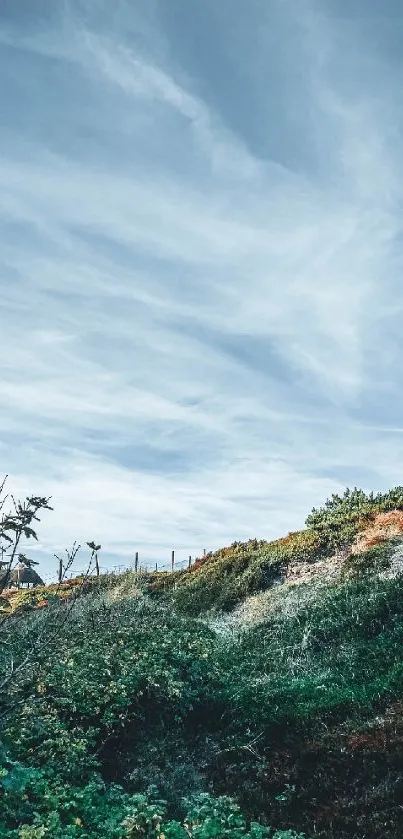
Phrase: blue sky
x=200 y=265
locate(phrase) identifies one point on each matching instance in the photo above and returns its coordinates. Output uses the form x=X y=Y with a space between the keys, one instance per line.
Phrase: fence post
x=190 y=561
x=156 y=566
x=136 y=562
x=204 y=551
x=60 y=572
x=172 y=560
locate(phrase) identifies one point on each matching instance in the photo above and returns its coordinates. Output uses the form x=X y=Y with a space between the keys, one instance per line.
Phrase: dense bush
x=36 y=803
x=342 y=517
x=35 y=807
x=205 y=817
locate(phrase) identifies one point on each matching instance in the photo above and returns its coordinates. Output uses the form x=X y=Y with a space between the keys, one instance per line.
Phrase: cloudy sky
x=200 y=265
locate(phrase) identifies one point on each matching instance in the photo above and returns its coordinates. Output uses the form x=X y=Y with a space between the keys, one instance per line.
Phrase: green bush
x=36 y=804
x=39 y=807
x=372 y=561
x=342 y=517
x=205 y=818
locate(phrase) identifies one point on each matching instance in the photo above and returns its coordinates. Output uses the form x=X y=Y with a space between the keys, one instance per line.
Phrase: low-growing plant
x=205 y=817
x=375 y=559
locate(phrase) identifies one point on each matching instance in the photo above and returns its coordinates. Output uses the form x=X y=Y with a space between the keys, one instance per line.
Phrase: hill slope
x=270 y=672
x=338 y=540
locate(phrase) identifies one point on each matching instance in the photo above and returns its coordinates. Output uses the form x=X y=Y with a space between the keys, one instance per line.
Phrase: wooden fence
x=173 y=565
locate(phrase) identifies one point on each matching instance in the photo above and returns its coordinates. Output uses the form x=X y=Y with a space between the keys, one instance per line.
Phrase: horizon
x=200 y=267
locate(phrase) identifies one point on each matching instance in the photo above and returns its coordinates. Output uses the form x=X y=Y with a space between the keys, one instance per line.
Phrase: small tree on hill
x=14 y=526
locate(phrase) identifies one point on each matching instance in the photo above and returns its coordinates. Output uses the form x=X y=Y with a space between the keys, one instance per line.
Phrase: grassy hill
x=259 y=693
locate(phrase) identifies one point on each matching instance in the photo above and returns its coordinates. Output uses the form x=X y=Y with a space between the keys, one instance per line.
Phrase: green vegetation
x=375 y=559
x=226 y=577
x=128 y=675
x=126 y=712
x=342 y=517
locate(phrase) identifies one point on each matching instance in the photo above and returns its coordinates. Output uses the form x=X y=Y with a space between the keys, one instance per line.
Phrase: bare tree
x=94 y=555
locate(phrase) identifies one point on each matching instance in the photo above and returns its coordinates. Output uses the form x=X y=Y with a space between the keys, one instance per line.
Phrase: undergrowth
x=129 y=673
x=374 y=560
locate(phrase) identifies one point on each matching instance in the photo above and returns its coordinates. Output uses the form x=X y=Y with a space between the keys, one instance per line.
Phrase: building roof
x=23 y=574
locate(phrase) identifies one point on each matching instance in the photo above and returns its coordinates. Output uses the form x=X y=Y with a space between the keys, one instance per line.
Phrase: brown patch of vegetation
x=346 y=785
x=385 y=526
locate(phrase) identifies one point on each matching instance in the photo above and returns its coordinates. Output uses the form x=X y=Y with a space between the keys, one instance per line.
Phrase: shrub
x=375 y=559
x=342 y=517
x=205 y=818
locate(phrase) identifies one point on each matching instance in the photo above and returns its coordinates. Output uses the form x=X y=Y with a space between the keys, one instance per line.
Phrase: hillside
x=347 y=534
x=269 y=676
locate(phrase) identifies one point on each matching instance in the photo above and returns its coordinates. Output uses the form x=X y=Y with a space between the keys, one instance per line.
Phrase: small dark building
x=20 y=577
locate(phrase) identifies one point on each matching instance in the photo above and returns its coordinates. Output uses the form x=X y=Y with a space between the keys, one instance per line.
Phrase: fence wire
x=151 y=568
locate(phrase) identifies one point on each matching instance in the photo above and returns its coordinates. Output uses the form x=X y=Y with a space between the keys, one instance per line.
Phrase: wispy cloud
x=200 y=331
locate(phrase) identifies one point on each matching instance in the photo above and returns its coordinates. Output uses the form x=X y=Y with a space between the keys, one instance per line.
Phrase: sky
x=200 y=267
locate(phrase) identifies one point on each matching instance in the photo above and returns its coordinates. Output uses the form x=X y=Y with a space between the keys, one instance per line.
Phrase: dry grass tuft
x=385 y=526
